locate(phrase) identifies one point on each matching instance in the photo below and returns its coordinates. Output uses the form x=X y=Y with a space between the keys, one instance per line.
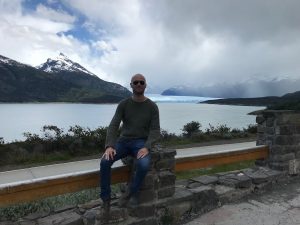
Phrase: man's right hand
x=109 y=153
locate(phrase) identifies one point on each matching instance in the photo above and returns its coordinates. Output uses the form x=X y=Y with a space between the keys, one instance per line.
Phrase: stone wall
x=190 y=198
x=163 y=199
x=280 y=130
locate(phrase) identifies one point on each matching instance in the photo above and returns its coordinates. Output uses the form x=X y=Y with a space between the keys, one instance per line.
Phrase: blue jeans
x=124 y=147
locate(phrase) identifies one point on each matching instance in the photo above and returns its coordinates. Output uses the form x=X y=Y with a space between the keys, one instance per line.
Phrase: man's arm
x=154 y=133
x=112 y=130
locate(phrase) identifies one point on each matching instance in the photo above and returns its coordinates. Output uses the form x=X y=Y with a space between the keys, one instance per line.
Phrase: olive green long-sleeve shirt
x=140 y=120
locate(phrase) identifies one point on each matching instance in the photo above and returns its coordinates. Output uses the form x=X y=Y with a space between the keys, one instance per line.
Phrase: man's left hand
x=142 y=153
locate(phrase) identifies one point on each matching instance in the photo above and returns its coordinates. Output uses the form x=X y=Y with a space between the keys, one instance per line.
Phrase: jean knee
x=144 y=163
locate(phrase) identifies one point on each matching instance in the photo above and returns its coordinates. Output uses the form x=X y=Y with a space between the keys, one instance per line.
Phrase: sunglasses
x=138 y=81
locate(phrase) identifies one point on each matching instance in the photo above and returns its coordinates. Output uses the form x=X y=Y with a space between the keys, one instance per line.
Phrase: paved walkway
x=281 y=206
x=37 y=173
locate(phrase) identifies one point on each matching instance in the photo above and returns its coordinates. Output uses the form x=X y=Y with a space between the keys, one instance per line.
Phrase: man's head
x=138 y=84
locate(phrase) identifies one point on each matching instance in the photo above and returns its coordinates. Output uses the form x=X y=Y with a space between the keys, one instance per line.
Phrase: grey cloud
x=248 y=20
x=175 y=42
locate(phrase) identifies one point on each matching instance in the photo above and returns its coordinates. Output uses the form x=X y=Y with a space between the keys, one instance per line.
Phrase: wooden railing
x=25 y=192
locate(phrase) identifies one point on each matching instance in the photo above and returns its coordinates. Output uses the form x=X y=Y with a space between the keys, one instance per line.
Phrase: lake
x=16 y=118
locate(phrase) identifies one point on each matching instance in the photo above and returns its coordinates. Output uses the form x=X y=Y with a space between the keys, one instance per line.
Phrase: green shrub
x=165 y=135
x=191 y=128
x=252 y=129
x=56 y=144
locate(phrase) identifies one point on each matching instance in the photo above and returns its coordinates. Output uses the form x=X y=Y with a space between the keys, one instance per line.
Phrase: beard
x=138 y=92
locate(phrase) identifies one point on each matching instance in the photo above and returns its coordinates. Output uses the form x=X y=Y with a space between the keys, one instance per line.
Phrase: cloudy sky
x=172 y=42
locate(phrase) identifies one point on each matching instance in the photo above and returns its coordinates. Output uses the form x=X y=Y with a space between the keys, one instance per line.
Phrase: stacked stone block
x=159 y=184
x=280 y=130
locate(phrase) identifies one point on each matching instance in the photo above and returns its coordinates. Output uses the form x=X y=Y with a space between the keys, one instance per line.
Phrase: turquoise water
x=18 y=118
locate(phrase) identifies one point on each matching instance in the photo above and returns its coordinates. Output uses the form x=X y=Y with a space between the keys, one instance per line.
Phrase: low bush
x=54 y=144
x=191 y=128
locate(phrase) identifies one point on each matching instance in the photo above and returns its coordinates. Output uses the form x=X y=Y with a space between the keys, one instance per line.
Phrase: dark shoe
x=133 y=201
x=106 y=205
x=123 y=201
x=105 y=210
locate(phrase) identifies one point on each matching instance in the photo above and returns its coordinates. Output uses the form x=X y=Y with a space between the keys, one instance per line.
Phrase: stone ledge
x=210 y=192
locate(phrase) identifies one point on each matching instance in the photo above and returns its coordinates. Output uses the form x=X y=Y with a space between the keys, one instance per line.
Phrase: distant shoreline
x=261 y=101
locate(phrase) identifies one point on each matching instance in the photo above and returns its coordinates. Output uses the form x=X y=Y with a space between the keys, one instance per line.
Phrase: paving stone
x=257 y=176
x=206 y=179
x=204 y=199
x=178 y=210
x=28 y=222
x=182 y=183
x=90 y=216
x=273 y=174
x=7 y=223
x=142 y=211
x=263 y=187
x=91 y=204
x=65 y=208
x=239 y=180
x=36 y=215
x=166 y=192
x=283 y=166
x=180 y=195
x=228 y=194
x=64 y=218
x=194 y=185
x=148 y=221
x=118 y=215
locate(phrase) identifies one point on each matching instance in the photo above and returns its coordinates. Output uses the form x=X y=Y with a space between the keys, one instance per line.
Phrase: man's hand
x=142 y=153
x=109 y=153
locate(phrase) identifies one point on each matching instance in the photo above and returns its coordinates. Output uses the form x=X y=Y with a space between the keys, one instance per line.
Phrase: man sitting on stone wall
x=140 y=129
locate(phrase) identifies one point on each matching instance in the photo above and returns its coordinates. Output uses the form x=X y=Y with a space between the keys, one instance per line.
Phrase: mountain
x=93 y=89
x=69 y=82
x=63 y=63
x=289 y=101
x=244 y=89
x=23 y=83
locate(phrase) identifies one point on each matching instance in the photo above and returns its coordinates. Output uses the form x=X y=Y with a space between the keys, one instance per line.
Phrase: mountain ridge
x=23 y=83
x=289 y=101
x=62 y=63
x=244 y=89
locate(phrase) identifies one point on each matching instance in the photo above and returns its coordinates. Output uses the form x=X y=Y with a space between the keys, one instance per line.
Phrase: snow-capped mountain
x=62 y=63
x=76 y=74
x=4 y=60
x=67 y=82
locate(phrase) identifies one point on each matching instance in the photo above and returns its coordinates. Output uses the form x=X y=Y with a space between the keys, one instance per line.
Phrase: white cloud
x=55 y=15
x=32 y=38
x=196 y=42
x=171 y=42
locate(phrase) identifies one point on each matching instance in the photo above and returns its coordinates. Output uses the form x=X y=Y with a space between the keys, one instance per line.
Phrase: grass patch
x=213 y=170
x=51 y=204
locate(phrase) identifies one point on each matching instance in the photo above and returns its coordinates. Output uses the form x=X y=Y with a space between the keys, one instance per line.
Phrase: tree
x=191 y=128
